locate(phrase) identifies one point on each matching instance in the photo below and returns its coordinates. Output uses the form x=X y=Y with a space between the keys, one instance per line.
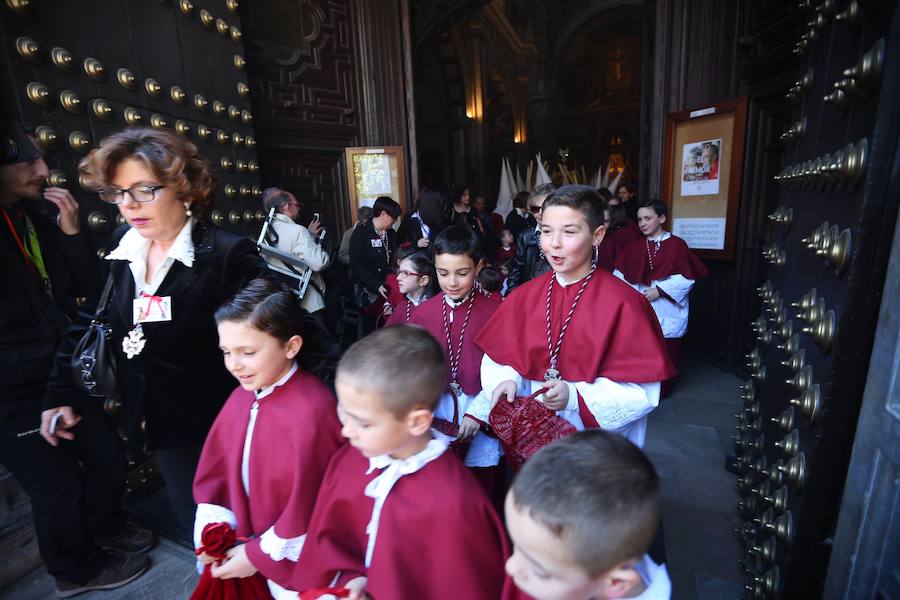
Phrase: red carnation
x=217 y=539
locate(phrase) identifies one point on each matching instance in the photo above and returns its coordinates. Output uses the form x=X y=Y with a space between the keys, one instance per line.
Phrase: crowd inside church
x=481 y=439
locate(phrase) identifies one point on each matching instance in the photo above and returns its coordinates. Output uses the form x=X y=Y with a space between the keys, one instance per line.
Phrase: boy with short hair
x=581 y=514
x=397 y=515
x=454 y=317
x=662 y=268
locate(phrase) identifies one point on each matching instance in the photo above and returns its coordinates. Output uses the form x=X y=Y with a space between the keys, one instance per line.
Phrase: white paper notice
x=702 y=234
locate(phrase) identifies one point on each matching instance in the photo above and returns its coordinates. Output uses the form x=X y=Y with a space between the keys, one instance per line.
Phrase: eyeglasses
x=139 y=193
x=408 y=274
x=535 y=209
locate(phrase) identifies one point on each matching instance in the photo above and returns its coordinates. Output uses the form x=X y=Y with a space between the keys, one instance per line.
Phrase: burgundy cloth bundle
x=525 y=426
x=217 y=539
x=318 y=593
x=450 y=428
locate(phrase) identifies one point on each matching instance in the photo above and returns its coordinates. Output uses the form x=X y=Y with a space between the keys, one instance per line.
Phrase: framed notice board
x=373 y=172
x=704 y=155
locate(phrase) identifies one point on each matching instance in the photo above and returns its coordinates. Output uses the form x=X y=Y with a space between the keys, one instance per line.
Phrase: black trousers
x=76 y=488
x=178 y=466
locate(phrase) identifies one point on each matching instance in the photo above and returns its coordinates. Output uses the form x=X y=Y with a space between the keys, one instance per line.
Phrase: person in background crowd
x=170 y=269
x=529 y=261
x=373 y=249
x=627 y=193
x=519 y=219
x=486 y=228
x=430 y=217
x=362 y=216
x=507 y=247
x=462 y=212
x=293 y=238
x=75 y=486
x=620 y=231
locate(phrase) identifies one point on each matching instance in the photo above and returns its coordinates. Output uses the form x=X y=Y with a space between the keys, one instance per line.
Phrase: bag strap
x=535 y=395
x=103 y=303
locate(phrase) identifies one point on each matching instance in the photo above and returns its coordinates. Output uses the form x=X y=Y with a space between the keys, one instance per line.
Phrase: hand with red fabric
x=236 y=564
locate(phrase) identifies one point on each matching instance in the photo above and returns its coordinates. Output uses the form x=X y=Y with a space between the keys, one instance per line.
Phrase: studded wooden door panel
x=826 y=252
x=82 y=70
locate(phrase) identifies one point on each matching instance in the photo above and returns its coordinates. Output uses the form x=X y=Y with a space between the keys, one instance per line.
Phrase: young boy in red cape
x=578 y=331
x=265 y=456
x=662 y=268
x=398 y=516
x=581 y=514
x=454 y=318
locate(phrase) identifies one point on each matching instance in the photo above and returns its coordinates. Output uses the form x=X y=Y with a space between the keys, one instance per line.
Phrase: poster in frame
x=375 y=171
x=703 y=162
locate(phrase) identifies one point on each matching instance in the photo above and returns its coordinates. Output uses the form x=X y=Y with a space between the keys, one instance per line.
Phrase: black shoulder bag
x=93 y=362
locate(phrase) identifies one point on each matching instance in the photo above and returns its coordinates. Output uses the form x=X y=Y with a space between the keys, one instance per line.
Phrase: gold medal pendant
x=134 y=343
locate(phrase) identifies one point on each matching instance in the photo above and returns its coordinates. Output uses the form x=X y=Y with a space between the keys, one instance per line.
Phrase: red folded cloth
x=319 y=592
x=525 y=426
x=217 y=539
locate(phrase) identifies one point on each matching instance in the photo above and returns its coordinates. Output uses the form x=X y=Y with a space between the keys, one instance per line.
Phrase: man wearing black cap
x=75 y=488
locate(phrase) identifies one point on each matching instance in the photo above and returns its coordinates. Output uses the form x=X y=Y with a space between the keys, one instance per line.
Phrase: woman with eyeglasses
x=170 y=269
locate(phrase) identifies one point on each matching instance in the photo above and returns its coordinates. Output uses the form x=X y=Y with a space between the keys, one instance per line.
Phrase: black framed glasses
x=535 y=209
x=139 y=193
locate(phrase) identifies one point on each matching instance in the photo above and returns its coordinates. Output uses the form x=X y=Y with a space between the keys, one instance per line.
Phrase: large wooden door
x=825 y=251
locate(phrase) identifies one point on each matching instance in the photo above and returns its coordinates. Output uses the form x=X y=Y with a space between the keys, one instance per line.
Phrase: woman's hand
x=506 y=388
x=383 y=291
x=557 y=395
x=315 y=226
x=235 y=564
x=423 y=242
x=67 y=420
x=387 y=310
x=467 y=429
x=68 y=209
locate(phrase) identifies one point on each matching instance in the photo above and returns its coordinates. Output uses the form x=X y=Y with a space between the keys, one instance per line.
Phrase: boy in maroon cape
x=663 y=269
x=265 y=456
x=620 y=231
x=589 y=339
x=581 y=514
x=454 y=318
x=399 y=516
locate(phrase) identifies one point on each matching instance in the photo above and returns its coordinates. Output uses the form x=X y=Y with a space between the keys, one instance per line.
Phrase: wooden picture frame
x=374 y=171
x=704 y=156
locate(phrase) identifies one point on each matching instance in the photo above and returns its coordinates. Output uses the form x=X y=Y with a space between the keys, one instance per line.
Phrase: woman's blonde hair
x=171 y=158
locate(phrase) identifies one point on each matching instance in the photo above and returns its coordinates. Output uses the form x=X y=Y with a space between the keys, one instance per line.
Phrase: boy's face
x=456 y=274
x=650 y=222
x=567 y=241
x=541 y=565
x=368 y=425
x=256 y=359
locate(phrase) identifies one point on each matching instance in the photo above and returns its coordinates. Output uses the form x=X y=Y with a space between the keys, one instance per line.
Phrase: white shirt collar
x=563 y=283
x=661 y=237
x=133 y=247
x=380 y=487
x=415 y=302
x=260 y=394
x=455 y=303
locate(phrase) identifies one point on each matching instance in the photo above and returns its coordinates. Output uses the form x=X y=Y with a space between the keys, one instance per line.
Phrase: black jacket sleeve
x=518 y=264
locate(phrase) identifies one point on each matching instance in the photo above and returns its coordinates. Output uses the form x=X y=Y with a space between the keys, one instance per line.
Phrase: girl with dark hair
x=422 y=226
x=265 y=456
x=417 y=281
x=462 y=212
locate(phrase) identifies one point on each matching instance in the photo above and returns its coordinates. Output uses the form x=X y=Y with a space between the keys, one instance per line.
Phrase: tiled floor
x=687 y=441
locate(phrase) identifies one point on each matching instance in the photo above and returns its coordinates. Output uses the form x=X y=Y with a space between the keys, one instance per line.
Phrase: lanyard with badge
x=30 y=249
x=146 y=308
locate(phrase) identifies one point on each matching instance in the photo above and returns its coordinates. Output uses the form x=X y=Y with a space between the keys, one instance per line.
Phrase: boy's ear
x=662 y=218
x=479 y=265
x=599 y=234
x=424 y=280
x=619 y=581
x=293 y=345
x=418 y=421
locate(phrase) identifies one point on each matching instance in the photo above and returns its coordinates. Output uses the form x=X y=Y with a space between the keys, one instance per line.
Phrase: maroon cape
x=438 y=537
x=296 y=433
x=430 y=316
x=398 y=314
x=614 y=332
x=674 y=257
x=612 y=245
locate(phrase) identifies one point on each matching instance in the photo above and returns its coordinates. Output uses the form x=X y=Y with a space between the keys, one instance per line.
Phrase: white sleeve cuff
x=279 y=548
x=210 y=513
x=572 y=403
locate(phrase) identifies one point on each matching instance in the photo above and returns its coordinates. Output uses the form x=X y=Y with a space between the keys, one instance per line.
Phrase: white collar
x=421 y=299
x=456 y=303
x=563 y=283
x=380 y=487
x=260 y=394
x=661 y=238
x=537 y=227
x=283 y=218
x=133 y=247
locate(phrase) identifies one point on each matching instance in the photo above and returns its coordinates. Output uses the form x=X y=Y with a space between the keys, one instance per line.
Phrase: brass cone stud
x=796 y=361
x=226 y=163
x=98 y=221
x=102 y=110
x=39 y=94
x=222 y=27
x=177 y=94
x=28 y=48
x=250 y=141
x=47 y=137
x=235 y=34
x=239 y=62
x=218 y=218
x=94 y=69
x=132 y=116
x=153 y=88
x=232 y=5
x=230 y=191
x=182 y=127
x=243 y=89
x=57 y=178
x=207 y=18
x=241 y=165
x=248 y=216
x=809 y=402
x=237 y=139
x=822 y=331
x=802 y=379
x=20 y=7
x=234 y=217
x=790 y=444
x=218 y=108
x=204 y=132
x=257 y=191
x=244 y=190
x=126 y=79
x=200 y=102
x=253 y=166
x=186 y=6
x=222 y=137
x=79 y=142
x=794 y=471
x=246 y=117
x=62 y=58
x=785 y=421
x=260 y=215
x=158 y=121
x=70 y=102
x=234 y=113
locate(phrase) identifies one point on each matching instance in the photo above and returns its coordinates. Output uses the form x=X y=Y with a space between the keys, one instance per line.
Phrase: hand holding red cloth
x=217 y=539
